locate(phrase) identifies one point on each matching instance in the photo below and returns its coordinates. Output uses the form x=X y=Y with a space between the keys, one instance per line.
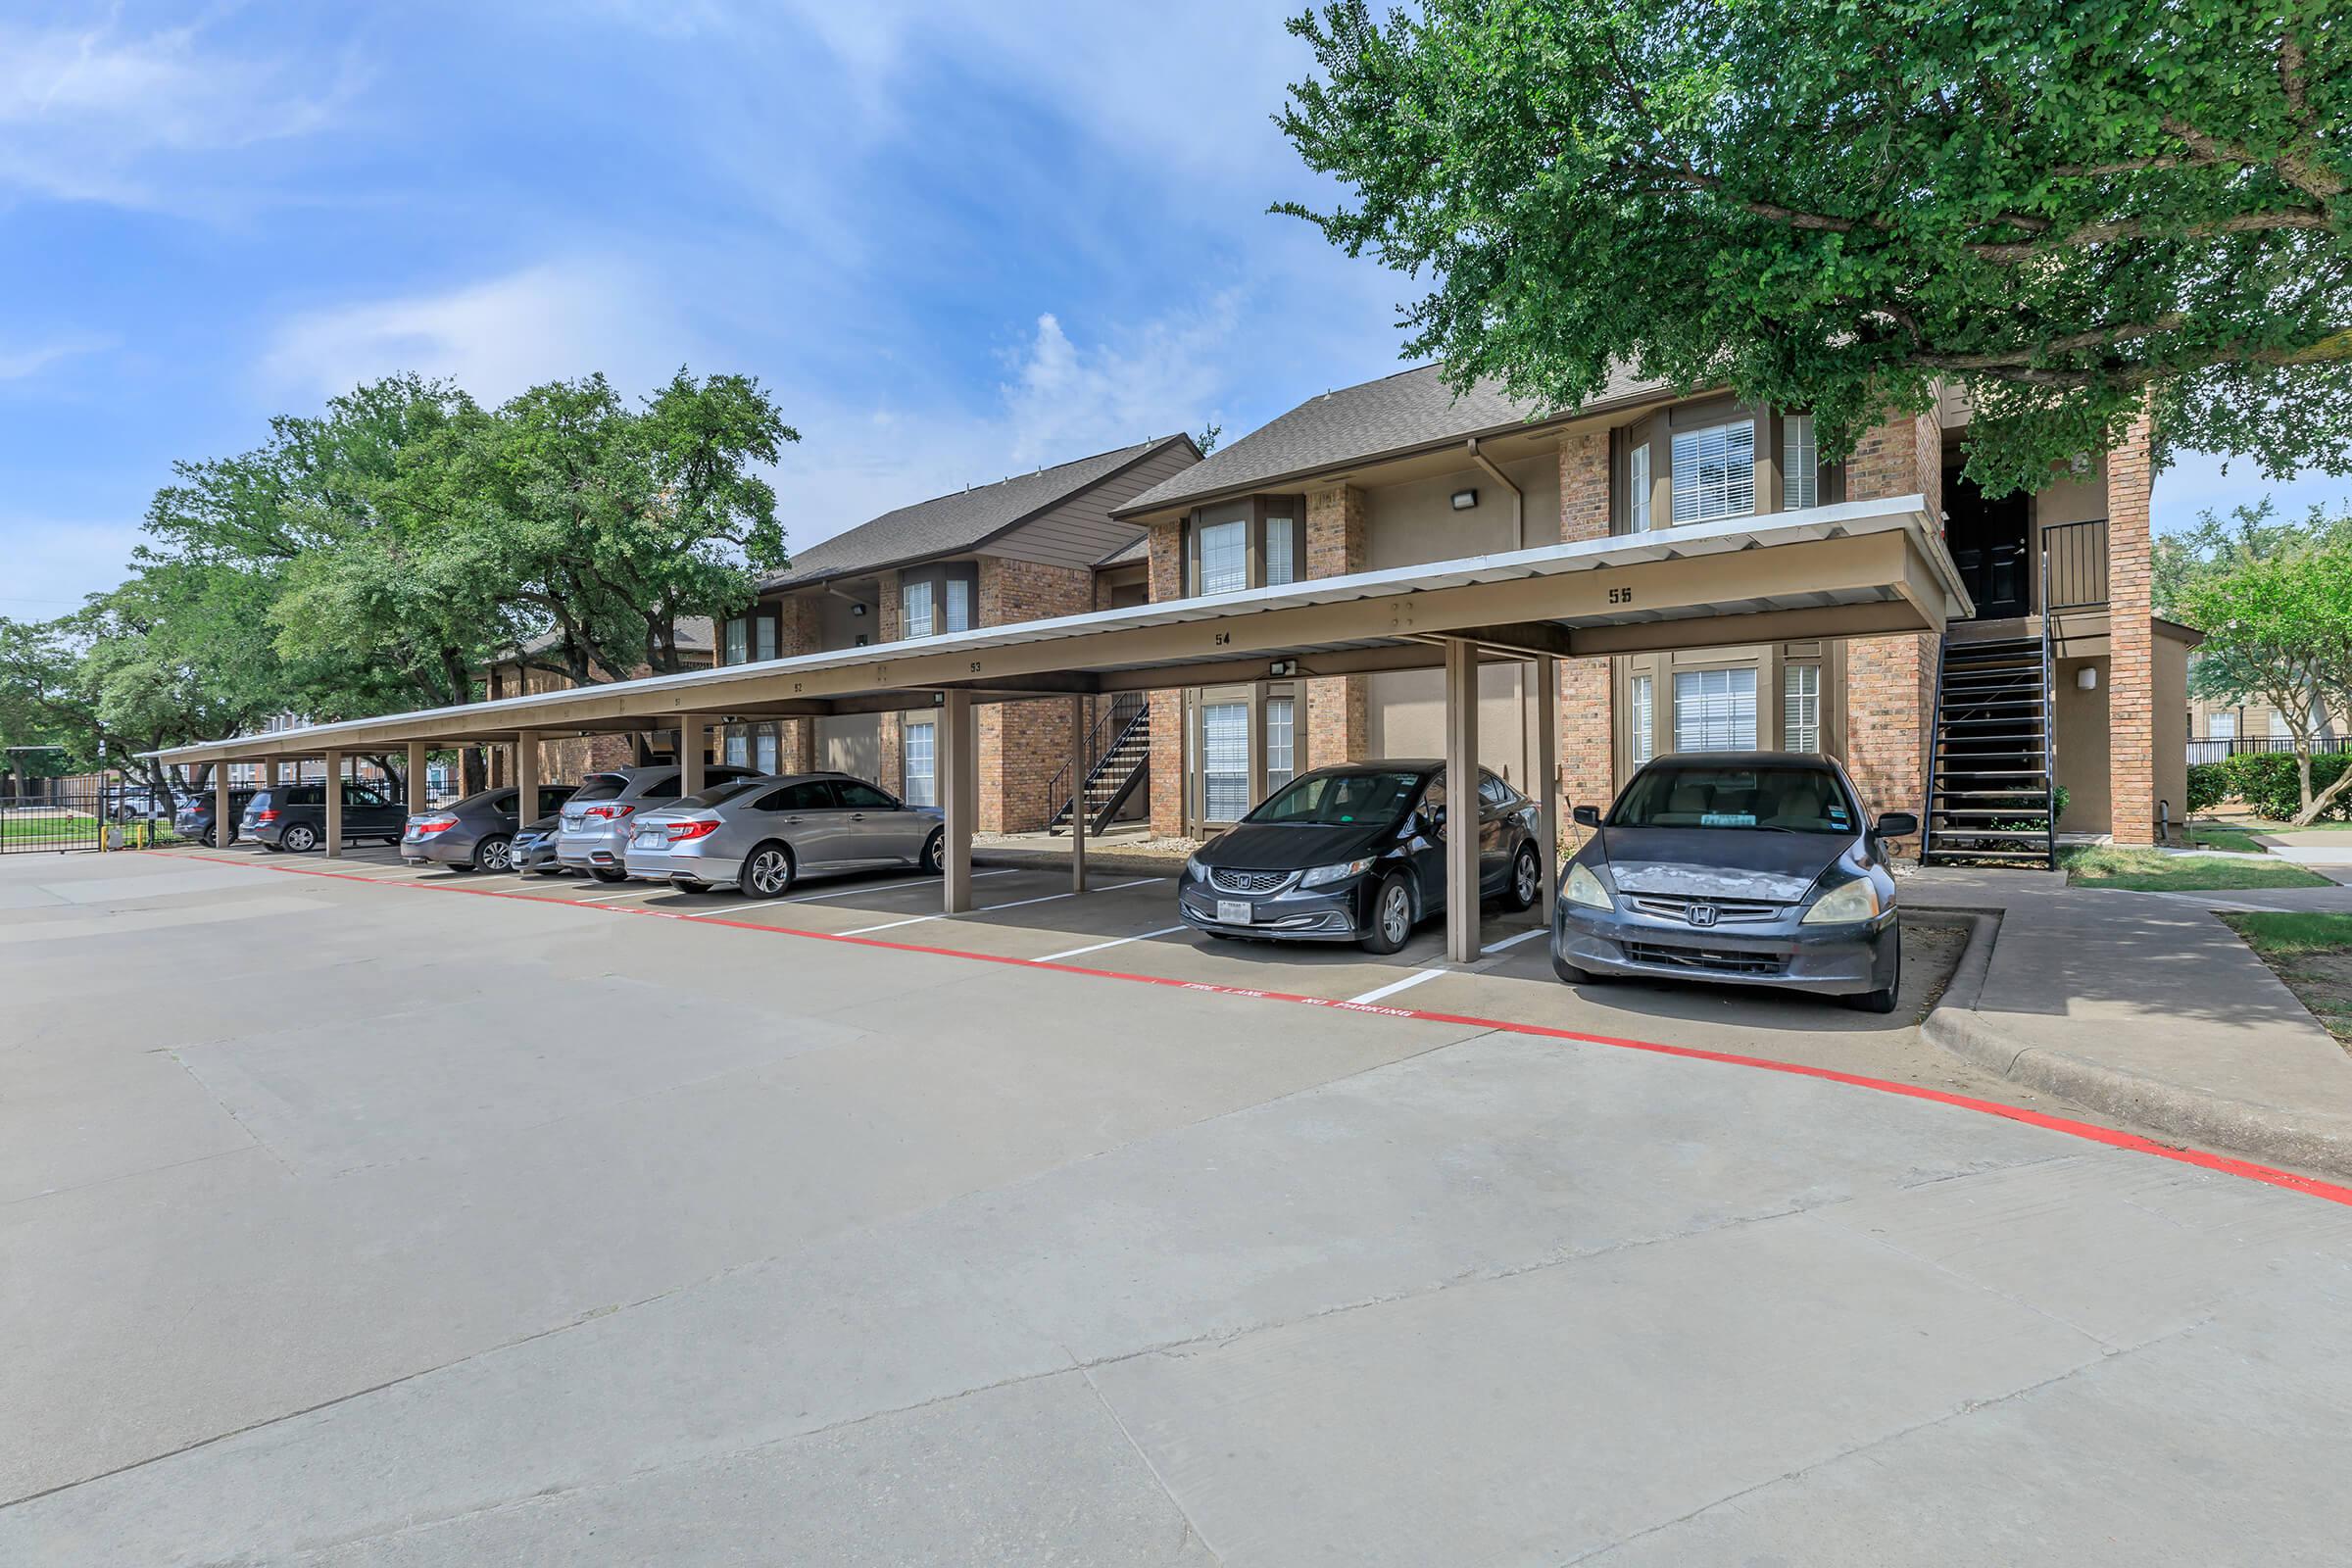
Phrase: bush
x=2266 y=783
x=2207 y=786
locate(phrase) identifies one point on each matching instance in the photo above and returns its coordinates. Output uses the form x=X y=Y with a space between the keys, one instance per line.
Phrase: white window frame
x=1282 y=738
x=1232 y=713
x=1641 y=703
x=1636 y=488
x=2221 y=725
x=919 y=758
x=1282 y=545
x=912 y=595
x=1729 y=448
x=1725 y=716
x=1800 y=707
x=959 y=605
x=1225 y=576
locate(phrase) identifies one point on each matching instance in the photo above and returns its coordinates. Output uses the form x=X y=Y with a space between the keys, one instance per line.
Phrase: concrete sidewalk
x=2146 y=1008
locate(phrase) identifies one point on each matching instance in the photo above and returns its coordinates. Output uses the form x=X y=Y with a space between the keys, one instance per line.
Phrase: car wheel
x=273 y=848
x=606 y=874
x=298 y=839
x=692 y=886
x=1570 y=975
x=934 y=856
x=768 y=871
x=1882 y=1000
x=494 y=853
x=1392 y=917
x=1527 y=879
x=210 y=840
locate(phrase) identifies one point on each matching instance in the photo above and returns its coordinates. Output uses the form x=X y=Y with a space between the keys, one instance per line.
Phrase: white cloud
x=17 y=364
x=494 y=338
x=97 y=112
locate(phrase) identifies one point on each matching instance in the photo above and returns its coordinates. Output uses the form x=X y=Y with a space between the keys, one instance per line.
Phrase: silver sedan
x=763 y=835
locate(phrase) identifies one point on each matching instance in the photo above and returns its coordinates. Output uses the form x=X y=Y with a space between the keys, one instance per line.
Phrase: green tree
x=2074 y=208
x=2275 y=601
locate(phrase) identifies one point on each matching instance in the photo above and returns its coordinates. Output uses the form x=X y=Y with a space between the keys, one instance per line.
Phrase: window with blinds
x=959 y=605
x=1715 y=471
x=1279 y=764
x=1800 y=707
x=1281 y=552
x=916 y=600
x=739 y=748
x=1637 y=489
x=1225 y=557
x=764 y=749
x=738 y=650
x=1225 y=761
x=922 y=788
x=1715 y=711
x=1800 y=463
x=1644 y=719
x=764 y=637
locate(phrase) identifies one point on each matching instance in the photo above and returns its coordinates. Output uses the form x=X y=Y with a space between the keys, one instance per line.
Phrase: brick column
x=1891 y=681
x=2131 y=641
x=891 y=752
x=1024 y=744
x=796 y=633
x=1339 y=708
x=1167 y=707
x=1588 y=724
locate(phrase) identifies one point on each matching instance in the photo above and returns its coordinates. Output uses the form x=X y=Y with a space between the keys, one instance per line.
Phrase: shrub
x=2266 y=783
x=2207 y=786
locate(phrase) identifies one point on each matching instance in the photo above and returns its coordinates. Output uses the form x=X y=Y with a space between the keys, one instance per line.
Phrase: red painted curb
x=2087 y=1131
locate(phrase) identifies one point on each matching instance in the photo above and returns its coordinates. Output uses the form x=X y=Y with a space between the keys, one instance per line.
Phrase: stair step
x=2037 y=858
x=1991 y=813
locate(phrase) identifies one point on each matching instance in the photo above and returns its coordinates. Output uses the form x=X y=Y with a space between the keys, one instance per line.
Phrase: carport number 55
x=1621 y=596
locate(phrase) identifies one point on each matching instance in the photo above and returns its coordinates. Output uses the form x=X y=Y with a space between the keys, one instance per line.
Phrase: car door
x=1428 y=828
x=1496 y=802
x=882 y=828
x=808 y=817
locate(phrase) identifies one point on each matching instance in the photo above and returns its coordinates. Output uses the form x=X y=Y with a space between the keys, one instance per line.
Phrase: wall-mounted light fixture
x=2087 y=678
x=857 y=609
x=1282 y=668
x=1464 y=499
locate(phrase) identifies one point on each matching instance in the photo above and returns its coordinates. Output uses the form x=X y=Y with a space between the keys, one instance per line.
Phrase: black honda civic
x=1356 y=853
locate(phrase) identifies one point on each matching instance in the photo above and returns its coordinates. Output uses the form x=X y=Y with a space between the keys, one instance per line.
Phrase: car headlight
x=1324 y=875
x=1194 y=869
x=1585 y=887
x=1846 y=903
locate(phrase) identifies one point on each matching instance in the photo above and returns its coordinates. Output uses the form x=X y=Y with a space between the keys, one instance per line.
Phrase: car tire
x=1527 y=879
x=1570 y=975
x=933 y=861
x=273 y=848
x=495 y=854
x=692 y=886
x=1884 y=999
x=606 y=874
x=209 y=840
x=768 y=871
x=1392 y=917
x=298 y=839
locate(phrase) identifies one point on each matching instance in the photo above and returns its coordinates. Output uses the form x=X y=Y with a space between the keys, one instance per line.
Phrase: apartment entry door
x=1991 y=543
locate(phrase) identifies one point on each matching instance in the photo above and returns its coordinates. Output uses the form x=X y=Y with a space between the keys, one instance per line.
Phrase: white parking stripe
x=1116 y=941
x=892 y=925
x=633 y=892
x=1513 y=941
x=889 y=887
x=1394 y=986
x=991 y=908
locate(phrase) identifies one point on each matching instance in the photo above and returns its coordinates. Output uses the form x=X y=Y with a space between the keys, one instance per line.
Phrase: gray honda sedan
x=477 y=833
x=762 y=835
x=1751 y=867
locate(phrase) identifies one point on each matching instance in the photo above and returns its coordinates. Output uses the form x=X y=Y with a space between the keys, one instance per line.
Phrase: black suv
x=195 y=818
x=293 y=817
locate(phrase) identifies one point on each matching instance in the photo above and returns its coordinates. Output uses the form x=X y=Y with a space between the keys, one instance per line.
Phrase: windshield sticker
x=1836 y=814
x=1728 y=820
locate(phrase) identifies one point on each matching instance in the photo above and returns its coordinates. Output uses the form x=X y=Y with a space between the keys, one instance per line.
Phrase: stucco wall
x=2081 y=742
x=2171 y=723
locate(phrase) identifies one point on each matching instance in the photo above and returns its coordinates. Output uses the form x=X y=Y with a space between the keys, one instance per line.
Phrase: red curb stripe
x=2087 y=1131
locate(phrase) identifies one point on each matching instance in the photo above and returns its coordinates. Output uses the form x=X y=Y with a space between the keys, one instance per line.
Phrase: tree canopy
x=2275 y=601
x=2074 y=208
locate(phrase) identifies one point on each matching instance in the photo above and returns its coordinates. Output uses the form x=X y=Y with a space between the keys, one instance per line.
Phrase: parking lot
x=351 y=1213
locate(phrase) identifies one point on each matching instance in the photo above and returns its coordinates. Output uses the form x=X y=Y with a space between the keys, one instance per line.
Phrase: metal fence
x=2215 y=750
x=65 y=817
x=2074 y=556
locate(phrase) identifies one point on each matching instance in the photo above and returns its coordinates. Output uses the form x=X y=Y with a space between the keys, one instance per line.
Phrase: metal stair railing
x=1128 y=712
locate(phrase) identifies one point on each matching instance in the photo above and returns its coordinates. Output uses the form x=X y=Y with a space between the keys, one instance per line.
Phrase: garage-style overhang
x=1855 y=568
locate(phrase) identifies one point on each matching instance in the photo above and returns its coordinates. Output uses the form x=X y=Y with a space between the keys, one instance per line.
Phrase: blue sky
x=956 y=239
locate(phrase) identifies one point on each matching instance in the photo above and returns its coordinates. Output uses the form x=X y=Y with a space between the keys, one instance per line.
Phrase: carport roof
x=1854 y=568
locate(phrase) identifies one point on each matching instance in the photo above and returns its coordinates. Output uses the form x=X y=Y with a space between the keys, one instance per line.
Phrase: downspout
x=1518 y=496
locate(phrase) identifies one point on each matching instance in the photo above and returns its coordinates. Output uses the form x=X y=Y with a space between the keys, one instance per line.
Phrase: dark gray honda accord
x=1753 y=867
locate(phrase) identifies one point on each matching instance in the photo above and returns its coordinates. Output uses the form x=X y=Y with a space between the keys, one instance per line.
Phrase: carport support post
x=1078 y=823
x=334 y=806
x=1547 y=776
x=416 y=769
x=692 y=729
x=222 y=824
x=526 y=777
x=1461 y=801
x=959 y=768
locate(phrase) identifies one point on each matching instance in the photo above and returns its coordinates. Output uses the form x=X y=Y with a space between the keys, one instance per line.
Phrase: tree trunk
x=2303 y=777
x=2313 y=807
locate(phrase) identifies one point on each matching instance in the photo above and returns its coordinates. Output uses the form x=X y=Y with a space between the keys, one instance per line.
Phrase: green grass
x=2147 y=872
x=2313 y=954
x=2225 y=838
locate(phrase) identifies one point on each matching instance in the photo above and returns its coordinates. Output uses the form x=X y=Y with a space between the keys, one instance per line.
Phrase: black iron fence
x=2214 y=749
x=64 y=817
x=2074 y=556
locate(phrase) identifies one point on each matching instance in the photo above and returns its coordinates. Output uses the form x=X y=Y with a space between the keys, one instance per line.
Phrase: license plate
x=1233 y=912
x=651 y=835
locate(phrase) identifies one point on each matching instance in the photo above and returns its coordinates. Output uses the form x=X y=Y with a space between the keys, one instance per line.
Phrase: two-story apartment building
x=1400 y=470
x=1030 y=547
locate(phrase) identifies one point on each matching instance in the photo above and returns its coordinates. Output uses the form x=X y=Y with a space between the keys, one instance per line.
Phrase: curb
x=2310 y=1141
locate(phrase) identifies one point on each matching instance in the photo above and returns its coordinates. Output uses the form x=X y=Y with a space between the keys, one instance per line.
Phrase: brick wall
x=1339 y=708
x=1891 y=681
x=798 y=631
x=2132 y=666
x=890 y=750
x=1024 y=744
x=1167 y=707
x=1587 y=728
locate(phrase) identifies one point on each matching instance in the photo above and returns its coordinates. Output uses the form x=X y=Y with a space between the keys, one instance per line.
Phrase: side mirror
x=1586 y=816
x=1897 y=825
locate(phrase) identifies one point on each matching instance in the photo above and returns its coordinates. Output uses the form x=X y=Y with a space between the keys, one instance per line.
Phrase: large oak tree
x=2073 y=207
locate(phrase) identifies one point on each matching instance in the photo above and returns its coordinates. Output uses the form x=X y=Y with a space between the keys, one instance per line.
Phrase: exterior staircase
x=1122 y=748
x=1991 y=796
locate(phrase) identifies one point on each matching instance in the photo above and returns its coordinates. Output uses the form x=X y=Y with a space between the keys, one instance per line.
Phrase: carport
x=1856 y=568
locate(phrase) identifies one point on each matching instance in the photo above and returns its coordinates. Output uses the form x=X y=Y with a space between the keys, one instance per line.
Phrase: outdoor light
x=857 y=609
x=1282 y=667
x=1464 y=499
x=2087 y=678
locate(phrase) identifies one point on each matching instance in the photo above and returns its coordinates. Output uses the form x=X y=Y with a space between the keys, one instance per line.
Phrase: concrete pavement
x=347 y=1224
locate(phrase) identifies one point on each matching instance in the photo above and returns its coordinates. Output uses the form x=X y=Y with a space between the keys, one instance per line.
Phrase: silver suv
x=598 y=817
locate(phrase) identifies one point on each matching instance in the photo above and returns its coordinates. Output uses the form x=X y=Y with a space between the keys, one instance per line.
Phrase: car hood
x=1271 y=847
x=1719 y=863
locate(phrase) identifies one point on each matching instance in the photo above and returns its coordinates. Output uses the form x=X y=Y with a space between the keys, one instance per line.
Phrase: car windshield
x=717 y=794
x=1791 y=798
x=1334 y=799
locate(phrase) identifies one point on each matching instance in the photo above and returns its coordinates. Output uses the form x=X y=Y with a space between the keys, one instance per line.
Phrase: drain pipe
x=1518 y=496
